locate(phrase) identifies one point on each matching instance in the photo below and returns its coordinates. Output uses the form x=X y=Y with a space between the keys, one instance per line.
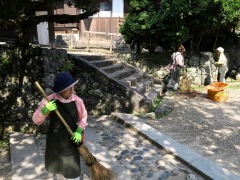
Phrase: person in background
x=221 y=64
x=61 y=155
x=178 y=63
x=172 y=69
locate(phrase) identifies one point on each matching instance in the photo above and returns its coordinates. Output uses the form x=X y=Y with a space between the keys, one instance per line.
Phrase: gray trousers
x=221 y=73
x=177 y=74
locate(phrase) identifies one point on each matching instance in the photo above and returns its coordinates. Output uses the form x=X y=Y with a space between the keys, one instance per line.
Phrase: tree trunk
x=216 y=39
x=138 y=50
x=199 y=42
x=51 y=30
x=191 y=42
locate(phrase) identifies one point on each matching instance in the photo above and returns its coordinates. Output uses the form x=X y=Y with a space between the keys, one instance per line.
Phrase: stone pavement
x=126 y=145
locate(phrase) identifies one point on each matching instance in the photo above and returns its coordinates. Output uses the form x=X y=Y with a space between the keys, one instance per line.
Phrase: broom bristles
x=97 y=170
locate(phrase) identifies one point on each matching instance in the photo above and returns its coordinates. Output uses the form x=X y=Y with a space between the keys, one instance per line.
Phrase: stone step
x=93 y=57
x=122 y=73
x=133 y=79
x=153 y=93
x=104 y=63
x=127 y=76
x=113 y=68
x=143 y=86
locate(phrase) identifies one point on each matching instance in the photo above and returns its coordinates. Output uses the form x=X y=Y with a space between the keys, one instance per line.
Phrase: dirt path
x=209 y=128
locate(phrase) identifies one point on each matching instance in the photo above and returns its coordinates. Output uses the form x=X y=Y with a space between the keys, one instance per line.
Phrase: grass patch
x=234 y=87
x=4 y=142
x=198 y=88
x=155 y=104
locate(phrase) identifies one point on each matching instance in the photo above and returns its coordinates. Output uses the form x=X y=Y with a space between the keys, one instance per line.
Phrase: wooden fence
x=91 y=33
x=99 y=32
x=106 y=25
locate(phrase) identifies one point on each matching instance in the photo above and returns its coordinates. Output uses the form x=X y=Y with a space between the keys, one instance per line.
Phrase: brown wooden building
x=95 y=24
x=97 y=27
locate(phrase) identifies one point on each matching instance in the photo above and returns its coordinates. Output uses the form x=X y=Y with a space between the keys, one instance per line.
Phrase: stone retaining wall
x=20 y=97
x=200 y=67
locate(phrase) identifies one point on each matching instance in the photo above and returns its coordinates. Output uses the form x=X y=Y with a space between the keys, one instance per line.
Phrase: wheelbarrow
x=217 y=91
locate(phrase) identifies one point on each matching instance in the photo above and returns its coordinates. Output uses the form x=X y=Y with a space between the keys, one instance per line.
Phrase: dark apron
x=61 y=154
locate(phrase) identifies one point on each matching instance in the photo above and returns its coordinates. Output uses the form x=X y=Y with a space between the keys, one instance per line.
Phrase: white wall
x=117 y=10
x=42 y=30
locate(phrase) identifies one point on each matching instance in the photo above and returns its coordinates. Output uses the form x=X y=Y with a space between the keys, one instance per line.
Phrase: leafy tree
x=203 y=23
x=200 y=25
x=230 y=10
x=172 y=23
x=140 y=25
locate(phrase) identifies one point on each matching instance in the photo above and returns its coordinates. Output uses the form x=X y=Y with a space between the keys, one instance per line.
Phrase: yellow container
x=217 y=92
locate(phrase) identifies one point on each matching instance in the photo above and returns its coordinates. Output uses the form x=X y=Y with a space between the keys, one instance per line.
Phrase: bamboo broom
x=97 y=170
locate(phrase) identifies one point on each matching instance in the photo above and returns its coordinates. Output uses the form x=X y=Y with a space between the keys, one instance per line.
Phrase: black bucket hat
x=63 y=81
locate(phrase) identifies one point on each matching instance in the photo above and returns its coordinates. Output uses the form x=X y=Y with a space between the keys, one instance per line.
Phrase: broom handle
x=56 y=111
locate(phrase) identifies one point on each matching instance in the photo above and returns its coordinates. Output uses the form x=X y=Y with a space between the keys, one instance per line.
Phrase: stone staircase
x=125 y=75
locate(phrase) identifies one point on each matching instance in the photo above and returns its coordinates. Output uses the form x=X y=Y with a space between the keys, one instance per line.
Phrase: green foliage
x=5 y=64
x=140 y=24
x=201 y=25
x=230 y=10
x=155 y=104
x=67 y=66
x=4 y=61
x=4 y=141
x=171 y=25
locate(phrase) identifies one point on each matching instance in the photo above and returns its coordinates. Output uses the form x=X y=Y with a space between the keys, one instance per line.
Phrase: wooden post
x=111 y=43
x=71 y=43
x=51 y=32
x=88 y=42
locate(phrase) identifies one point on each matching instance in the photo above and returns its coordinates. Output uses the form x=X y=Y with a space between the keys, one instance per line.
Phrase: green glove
x=50 y=106
x=77 y=137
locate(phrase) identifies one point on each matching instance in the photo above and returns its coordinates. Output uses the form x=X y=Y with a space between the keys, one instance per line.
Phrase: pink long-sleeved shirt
x=178 y=59
x=38 y=118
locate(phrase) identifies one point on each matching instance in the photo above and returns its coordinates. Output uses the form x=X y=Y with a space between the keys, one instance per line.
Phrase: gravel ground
x=210 y=128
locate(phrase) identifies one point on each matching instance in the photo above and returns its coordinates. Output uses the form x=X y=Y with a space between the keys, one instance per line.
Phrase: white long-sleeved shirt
x=222 y=59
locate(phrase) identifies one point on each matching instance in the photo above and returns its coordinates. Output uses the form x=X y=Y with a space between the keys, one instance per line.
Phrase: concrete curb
x=194 y=160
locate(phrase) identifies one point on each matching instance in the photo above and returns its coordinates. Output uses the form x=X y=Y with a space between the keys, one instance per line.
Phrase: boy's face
x=67 y=93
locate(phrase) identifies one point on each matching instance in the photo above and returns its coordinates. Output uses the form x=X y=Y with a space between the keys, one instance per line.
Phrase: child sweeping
x=61 y=154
